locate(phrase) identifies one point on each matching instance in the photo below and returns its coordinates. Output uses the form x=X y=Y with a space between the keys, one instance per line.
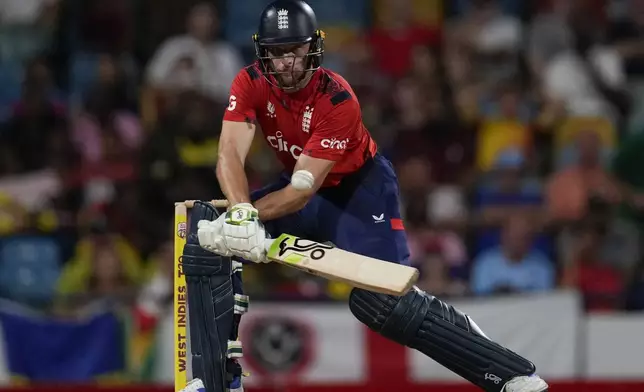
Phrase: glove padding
x=244 y=234
x=210 y=234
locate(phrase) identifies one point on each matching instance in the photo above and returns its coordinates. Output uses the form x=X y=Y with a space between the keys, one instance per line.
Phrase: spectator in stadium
x=443 y=205
x=503 y=192
x=21 y=12
x=576 y=69
x=626 y=167
x=35 y=136
x=492 y=36
x=504 y=116
x=436 y=276
x=176 y=162
x=549 y=34
x=426 y=125
x=507 y=189
x=570 y=191
x=635 y=290
x=601 y=284
x=104 y=265
x=513 y=267
x=38 y=77
x=154 y=298
x=627 y=36
x=394 y=36
x=197 y=59
x=427 y=66
x=106 y=26
x=107 y=130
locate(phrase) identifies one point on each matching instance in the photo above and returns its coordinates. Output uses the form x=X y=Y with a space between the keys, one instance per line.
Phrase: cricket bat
x=340 y=265
x=336 y=264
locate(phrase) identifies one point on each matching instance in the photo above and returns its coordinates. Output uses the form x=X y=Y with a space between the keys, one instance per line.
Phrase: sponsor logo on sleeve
x=335 y=144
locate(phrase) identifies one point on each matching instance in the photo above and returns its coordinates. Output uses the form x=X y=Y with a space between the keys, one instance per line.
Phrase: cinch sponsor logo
x=282 y=145
x=334 y=143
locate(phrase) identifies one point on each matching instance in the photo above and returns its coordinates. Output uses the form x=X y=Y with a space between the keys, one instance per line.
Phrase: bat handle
x=268 y=242
x=217 y=203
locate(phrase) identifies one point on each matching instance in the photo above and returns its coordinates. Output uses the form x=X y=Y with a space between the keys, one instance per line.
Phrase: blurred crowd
x=516 y=128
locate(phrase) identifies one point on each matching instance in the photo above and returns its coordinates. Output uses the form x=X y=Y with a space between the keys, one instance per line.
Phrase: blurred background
x=516 y=128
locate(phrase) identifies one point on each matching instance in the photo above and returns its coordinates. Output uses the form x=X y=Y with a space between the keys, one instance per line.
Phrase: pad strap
x=234 y=349
x=237 y=266
x=241 y=304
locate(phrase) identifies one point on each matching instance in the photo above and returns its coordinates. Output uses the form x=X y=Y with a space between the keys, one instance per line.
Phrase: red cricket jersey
x=322 y=120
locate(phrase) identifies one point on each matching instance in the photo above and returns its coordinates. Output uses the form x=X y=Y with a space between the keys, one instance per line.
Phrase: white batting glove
x=244 y=234
x=210 y=234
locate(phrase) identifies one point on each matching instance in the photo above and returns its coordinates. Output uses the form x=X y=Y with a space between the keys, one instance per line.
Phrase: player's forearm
x=286 y=201
x=232 y=178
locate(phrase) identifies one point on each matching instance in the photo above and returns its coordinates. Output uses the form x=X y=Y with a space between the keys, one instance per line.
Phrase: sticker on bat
x=315 y=250
x=182 y=229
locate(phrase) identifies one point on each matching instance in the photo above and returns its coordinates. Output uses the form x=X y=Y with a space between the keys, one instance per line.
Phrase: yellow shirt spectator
x=495 y=136
x=568 y=132
x=91 y=261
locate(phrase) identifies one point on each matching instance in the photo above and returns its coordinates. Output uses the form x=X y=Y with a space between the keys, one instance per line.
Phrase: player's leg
x=210 y=306
x=367 y=222
x=443 y=333
x=234 y=352
x=289 y=224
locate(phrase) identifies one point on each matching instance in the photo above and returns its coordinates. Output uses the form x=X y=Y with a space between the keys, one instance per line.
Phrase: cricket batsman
x=336 y=188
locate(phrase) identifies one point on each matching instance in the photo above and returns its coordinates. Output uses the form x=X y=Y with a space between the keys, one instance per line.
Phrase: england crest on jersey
x=306 y=119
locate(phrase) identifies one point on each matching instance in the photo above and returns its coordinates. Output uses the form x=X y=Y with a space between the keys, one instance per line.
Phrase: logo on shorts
x=334 y=143
x=378 y=219
x=182 y=228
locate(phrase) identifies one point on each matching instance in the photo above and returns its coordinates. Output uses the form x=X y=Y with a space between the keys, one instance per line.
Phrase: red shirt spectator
x=601 y=284
x=392 y=49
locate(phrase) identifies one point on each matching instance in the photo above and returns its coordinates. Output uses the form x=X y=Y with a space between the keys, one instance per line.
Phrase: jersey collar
x=309 y=89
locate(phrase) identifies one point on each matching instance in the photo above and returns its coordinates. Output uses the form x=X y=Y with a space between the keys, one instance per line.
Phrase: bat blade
x=340 y=265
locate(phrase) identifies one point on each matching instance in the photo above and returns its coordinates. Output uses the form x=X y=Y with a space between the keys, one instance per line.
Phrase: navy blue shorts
x=360 y=215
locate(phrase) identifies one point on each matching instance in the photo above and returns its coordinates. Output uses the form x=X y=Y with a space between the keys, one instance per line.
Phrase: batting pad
x=448 y=336
x=210 y=304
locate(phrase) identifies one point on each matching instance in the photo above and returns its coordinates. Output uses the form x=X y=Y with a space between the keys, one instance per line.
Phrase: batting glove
x=210 y=234
x=244 y=234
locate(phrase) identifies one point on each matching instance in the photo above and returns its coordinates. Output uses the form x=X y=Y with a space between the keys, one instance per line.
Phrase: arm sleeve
x=334 y=132
x=242 y=99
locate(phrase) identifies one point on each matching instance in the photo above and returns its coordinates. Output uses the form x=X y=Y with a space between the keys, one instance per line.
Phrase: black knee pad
x=210 y=304
x=448 y=336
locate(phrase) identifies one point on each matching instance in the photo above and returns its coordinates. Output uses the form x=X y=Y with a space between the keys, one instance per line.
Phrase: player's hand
x=210 y=234
x=244 y=234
